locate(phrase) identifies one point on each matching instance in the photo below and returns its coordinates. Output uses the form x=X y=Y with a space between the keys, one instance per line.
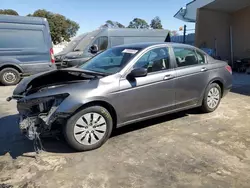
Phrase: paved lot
x=186 y=149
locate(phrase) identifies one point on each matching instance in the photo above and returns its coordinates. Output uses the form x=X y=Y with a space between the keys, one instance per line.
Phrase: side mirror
x=93 y=49
x=138 y=72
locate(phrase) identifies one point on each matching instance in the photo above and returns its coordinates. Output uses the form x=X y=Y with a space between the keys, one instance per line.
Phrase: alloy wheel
x=90 y=128
x=213 y=97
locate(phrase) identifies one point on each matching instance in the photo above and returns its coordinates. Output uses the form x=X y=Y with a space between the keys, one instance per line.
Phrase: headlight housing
x=40 y=105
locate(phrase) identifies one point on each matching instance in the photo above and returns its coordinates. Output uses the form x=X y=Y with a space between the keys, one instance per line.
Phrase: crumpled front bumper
x=37 y=116
x=28 y=126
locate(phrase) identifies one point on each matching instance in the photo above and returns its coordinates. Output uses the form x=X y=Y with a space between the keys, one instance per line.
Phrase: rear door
x=192 y=76
x=26 y=45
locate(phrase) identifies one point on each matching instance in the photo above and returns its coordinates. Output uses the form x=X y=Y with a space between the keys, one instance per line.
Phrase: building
x=222 y=25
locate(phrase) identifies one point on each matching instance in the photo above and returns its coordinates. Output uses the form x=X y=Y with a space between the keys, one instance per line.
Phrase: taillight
x=229 y=69
x=52 y=57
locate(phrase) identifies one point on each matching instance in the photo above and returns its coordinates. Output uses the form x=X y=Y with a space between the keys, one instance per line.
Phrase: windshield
x=86 y=41
x=110 y=61
x=72 y=44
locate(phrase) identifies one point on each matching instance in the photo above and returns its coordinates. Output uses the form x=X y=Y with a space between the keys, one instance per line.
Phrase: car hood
x=73 y=55
x=52 y=78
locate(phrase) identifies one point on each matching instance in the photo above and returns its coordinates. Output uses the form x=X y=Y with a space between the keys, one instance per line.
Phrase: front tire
x=211 y=98
x=89 y=128
x=9 y=76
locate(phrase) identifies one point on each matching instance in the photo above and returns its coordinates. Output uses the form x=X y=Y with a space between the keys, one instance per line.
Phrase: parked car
x=87 y=45
x=25 y=48
x=120 y=86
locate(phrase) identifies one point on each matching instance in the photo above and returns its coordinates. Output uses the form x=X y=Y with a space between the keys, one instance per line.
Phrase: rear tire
x=89 y=128
x=212 y=98
x=9 y=76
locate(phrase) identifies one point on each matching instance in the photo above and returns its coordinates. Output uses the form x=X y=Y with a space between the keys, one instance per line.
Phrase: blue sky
x=91 y=14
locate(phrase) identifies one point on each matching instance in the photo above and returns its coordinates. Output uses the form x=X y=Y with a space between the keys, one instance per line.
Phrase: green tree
x=61 y=28
x=156 y=23
x=8 y=12
x=138 y=24
x=112 y=24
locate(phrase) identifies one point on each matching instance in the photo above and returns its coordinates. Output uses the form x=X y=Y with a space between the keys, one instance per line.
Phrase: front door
x=192 y=75
x=152 y=94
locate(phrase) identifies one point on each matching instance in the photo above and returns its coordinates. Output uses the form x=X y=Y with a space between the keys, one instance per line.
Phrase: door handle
x=203 y=69
x=168 y=77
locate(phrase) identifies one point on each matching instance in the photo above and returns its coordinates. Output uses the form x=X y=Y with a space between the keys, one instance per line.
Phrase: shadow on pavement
x=12 y=141
x=150 y=122
x=16 y=144
x=241 y=84
x=243 y=90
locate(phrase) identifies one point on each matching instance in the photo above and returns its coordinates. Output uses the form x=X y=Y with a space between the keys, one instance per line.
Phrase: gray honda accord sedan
x=119 y=86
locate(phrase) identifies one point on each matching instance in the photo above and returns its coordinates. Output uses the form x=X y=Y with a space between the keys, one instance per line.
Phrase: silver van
x=87 y=45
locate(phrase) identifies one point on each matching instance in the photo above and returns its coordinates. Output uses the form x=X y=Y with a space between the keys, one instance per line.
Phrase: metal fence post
x=184 y=34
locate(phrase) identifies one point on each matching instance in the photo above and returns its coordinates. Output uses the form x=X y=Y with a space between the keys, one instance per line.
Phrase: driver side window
x=102 y=43
x=154 y=60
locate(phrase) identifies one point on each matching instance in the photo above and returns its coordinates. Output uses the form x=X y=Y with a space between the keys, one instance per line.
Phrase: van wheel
x=88 y=129
x=9 y=76
x=212 y=98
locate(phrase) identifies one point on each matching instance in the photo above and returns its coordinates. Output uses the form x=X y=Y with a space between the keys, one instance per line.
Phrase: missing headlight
x=39 y=105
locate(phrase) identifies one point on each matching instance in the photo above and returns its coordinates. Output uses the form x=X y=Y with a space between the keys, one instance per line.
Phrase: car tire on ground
x=211 y=98
x=89 y=128
x=9 y=76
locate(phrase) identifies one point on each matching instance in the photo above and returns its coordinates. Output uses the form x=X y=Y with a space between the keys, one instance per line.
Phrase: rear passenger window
x=187 y=57
x=12 y=38
x=201 y=57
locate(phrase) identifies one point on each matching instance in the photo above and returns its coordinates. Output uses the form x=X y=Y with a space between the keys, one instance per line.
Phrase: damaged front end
x=46 y=100
x=38 y=115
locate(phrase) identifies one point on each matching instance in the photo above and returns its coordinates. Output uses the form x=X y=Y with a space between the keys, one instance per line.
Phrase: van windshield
x=72 y=44
x=111 y=61
x=81 y=46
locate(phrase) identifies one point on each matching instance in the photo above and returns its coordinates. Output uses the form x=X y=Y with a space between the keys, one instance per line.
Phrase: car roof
x=144 y=45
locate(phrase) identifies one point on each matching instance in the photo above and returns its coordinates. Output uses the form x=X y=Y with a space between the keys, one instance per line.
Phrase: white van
x=89 y=44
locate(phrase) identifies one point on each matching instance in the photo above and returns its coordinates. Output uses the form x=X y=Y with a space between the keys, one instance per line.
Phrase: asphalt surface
x=186 y=149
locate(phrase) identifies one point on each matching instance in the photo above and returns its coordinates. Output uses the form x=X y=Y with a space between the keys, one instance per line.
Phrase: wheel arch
x=220 y=82
x=216 y=80
x=11 y=65
x=104 y=104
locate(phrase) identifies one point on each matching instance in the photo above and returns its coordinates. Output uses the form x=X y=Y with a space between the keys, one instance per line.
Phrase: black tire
x=205 y=107
x=69 y=128
x=13 y=78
